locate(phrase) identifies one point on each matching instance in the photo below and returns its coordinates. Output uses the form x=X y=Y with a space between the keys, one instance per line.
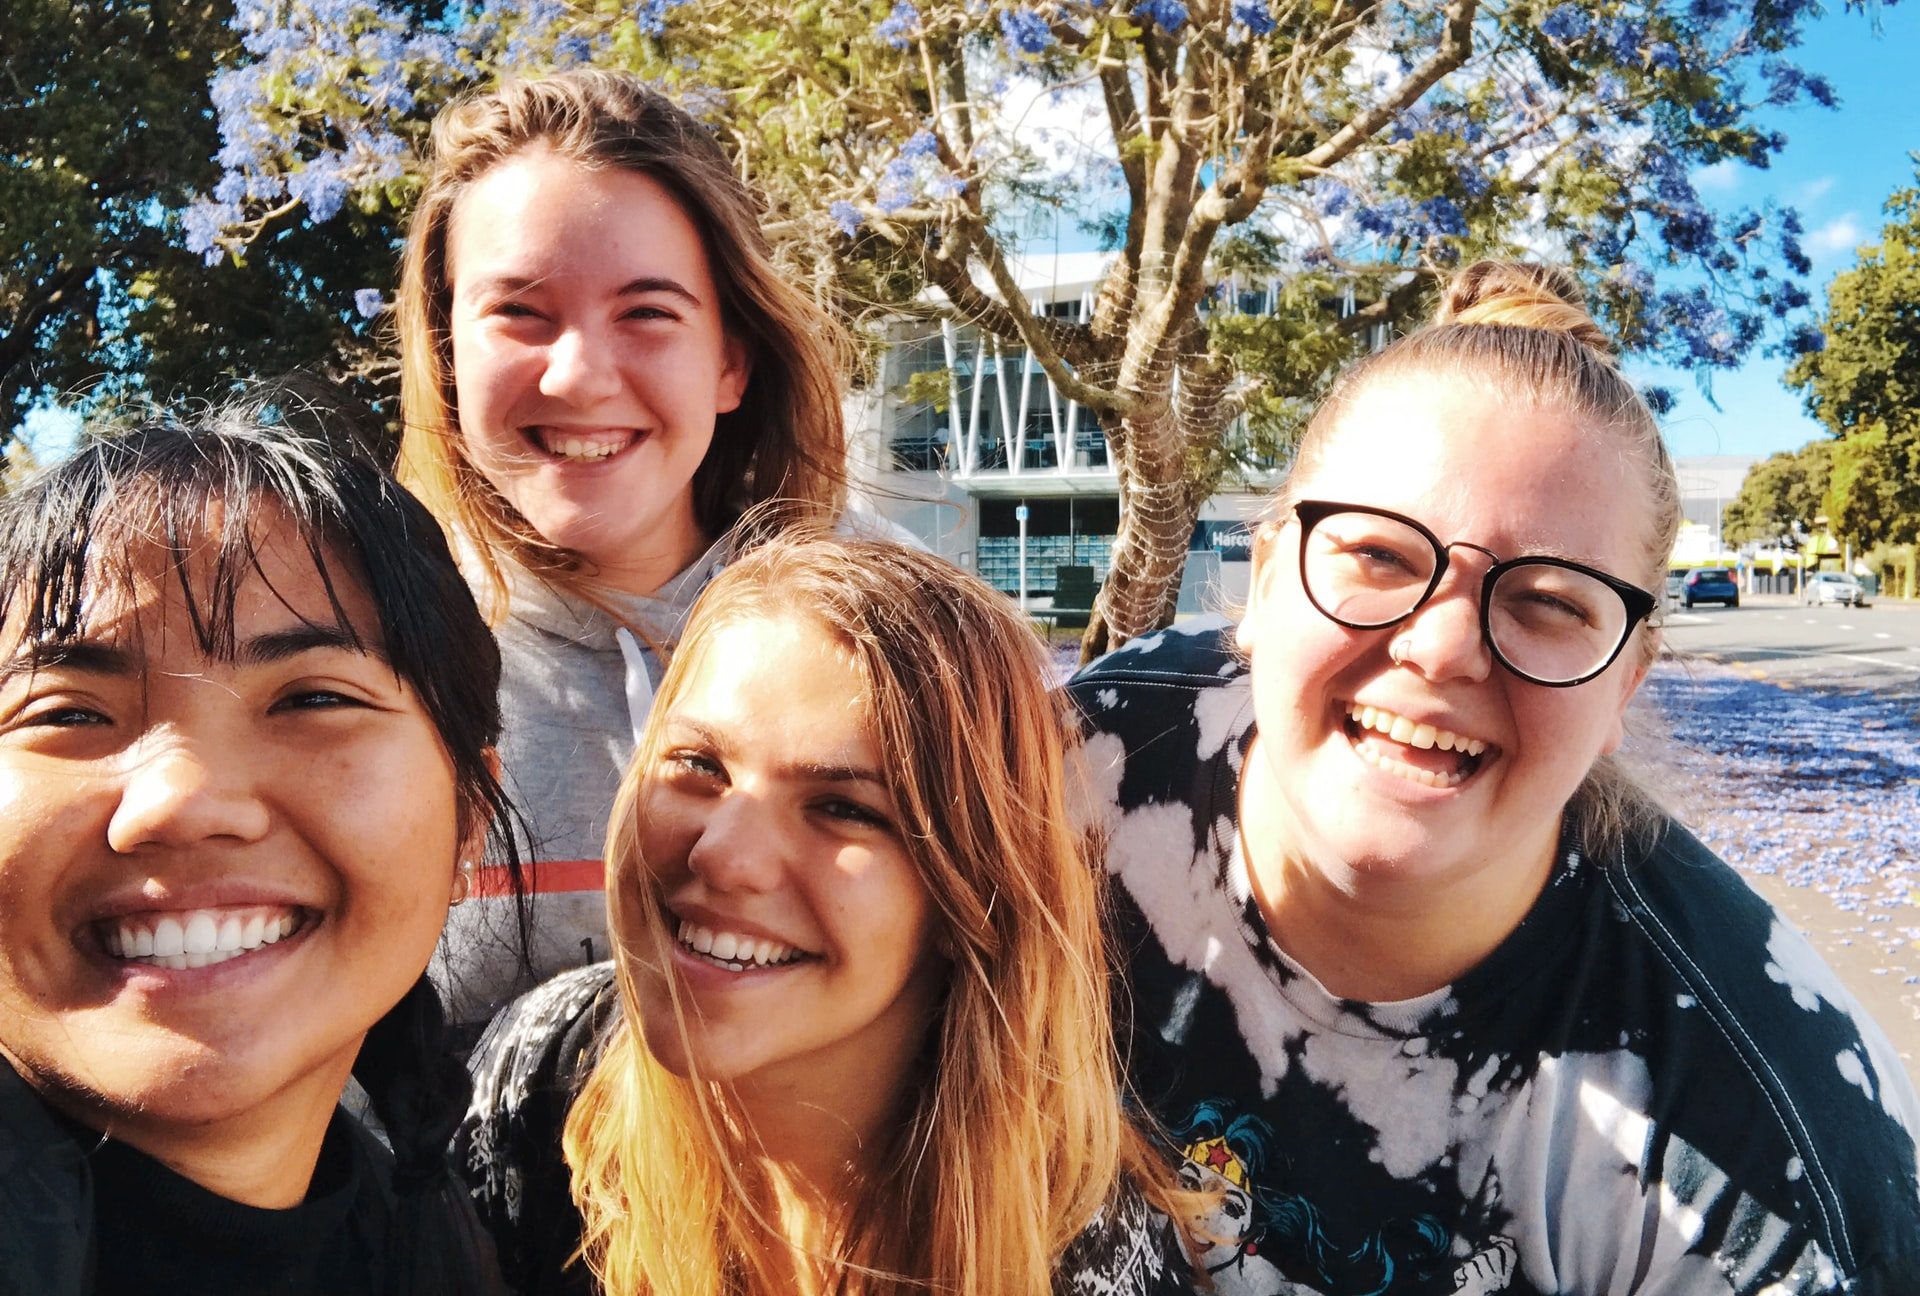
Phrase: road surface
x=1791 y=744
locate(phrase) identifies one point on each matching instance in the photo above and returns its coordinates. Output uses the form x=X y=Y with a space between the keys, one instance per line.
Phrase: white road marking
x=1881 y=634
x=1845 y=626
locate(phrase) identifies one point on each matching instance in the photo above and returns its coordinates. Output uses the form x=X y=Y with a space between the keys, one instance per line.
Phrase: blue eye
x=695 y=763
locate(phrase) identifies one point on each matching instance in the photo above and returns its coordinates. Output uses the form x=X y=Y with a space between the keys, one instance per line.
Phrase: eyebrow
x=279 y=645
x=512 y=284
x=97 y=657
x=810 y=771
x=88 y=656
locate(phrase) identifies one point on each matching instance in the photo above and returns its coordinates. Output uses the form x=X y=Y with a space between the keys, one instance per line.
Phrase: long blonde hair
x=1012 y=1137
x=1524 y=331
x=784 y=447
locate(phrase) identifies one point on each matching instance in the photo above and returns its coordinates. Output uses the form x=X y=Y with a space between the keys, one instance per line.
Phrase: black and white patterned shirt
x=1652 y=1086
x=533 y=1060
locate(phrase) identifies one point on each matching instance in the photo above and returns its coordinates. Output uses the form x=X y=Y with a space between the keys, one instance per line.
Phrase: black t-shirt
x=1652 y=1086
x=157 y=1233
x=82 y=1214
x=533 y=1060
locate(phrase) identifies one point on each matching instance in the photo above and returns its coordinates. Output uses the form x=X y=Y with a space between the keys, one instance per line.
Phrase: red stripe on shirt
x=544 y=877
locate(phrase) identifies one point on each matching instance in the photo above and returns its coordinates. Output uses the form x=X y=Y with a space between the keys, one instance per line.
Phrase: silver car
x=1832 y=587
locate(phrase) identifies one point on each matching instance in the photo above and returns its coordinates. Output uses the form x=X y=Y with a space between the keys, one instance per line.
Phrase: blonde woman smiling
x=856 y=1038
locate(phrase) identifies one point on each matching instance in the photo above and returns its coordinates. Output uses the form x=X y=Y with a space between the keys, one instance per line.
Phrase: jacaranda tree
x=106 y=137
x=1352 y=149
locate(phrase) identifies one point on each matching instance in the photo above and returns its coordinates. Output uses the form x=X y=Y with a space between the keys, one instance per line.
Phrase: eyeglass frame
x=1639 y=603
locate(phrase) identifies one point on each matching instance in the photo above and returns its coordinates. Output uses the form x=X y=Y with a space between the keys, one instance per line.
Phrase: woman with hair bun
x=247 y=715
x=1427 y=989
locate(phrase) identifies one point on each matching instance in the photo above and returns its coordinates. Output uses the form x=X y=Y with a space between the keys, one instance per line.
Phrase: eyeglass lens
x=1550 y=623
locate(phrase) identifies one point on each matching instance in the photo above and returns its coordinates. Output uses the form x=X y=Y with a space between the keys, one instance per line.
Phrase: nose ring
x=1397 y=652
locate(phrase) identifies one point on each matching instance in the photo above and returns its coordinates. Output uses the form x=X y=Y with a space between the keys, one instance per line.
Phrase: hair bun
x=1522 y=295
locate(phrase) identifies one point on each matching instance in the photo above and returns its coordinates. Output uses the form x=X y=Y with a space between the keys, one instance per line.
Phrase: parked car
x=1676 y=583
x=1709 y=585
x=1832 y=587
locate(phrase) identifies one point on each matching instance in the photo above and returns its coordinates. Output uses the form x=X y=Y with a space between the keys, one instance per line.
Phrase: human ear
x=736 y=368
x=1266 y=570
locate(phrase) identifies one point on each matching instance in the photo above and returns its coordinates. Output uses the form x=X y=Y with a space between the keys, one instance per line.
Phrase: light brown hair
x=1524 y=331
x=1012 y=1135
x=784 y=447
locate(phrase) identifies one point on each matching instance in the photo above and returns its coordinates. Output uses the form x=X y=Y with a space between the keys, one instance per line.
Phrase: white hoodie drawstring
x=639 y=683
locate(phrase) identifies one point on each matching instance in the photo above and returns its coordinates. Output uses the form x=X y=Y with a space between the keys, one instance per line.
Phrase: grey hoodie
x=575 y=689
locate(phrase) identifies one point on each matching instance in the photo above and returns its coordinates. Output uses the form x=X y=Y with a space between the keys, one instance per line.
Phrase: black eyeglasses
x=1548 y=620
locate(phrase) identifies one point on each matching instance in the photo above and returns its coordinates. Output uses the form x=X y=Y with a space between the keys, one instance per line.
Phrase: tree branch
x=1455 y=48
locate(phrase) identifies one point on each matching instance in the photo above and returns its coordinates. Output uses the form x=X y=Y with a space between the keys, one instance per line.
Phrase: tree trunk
x=1157 y=512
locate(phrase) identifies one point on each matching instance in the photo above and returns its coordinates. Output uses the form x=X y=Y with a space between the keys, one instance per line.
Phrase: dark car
x=1709 y=585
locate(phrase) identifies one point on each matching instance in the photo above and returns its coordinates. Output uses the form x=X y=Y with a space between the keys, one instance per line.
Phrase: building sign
x=1233 y=541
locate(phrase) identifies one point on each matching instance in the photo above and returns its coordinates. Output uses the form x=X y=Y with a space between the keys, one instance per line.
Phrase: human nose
x=740 y=847
x=182 y=796
x=582 y=367
x=1443 y=637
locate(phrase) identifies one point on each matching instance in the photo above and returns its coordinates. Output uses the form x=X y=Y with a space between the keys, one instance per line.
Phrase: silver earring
x=1397 y=652
x=462 y=882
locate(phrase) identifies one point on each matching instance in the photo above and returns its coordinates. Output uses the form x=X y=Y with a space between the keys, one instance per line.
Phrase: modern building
x=1010 y=467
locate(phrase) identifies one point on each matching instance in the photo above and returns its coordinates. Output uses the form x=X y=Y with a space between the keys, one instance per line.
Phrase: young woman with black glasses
x=1428 y=991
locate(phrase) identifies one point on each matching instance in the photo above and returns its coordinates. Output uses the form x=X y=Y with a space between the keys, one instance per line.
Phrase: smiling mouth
x=196 y=938
x=735 y=951
x=1419 y=753
x=582 y=445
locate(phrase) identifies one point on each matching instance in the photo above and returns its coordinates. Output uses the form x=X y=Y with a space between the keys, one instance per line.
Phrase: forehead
x=775 y=671
x=545 y=218
x=1513 y=474
x=219 y=590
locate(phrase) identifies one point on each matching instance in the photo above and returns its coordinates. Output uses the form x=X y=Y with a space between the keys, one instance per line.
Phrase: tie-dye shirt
x=1653 y=1085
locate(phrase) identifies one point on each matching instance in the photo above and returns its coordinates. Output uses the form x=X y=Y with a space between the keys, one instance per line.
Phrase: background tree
x=1781 y=499
x=1343 y=146
x=1864 y=384
x=107 y=133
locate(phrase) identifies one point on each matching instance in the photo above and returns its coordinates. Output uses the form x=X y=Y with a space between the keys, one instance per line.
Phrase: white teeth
x=1403 y=730
x=573 y=447
x=733 y=950
x=199 y=938
x=202 y=934
x=169 y=938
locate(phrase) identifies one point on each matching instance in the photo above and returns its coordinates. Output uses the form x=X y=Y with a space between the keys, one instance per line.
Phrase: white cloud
x=1721 y=177
x=1842 y=234
x=1814 y=190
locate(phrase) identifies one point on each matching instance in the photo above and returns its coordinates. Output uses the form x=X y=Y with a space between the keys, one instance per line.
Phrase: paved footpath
x=1814 y=794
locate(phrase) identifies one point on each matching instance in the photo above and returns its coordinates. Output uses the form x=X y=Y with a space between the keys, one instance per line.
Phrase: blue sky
x=1838 y=168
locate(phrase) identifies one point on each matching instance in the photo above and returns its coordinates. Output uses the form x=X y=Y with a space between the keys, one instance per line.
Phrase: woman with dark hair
x=247 y=711
x=602 y=371
x=1388 y=895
